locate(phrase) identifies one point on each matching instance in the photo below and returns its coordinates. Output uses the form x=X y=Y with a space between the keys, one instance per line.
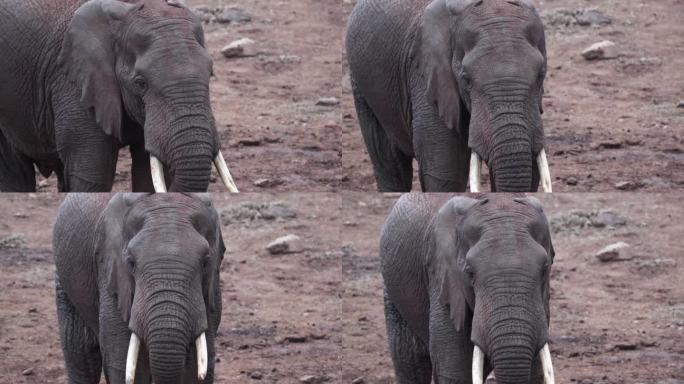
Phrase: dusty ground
x=611 y=323
x=281 y=318
x=606 y=122
x=265 y=106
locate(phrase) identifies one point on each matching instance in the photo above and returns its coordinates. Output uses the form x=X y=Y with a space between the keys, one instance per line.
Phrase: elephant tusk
x=223 y=171
x=475 y=168
x=202 y=359
x=544 y=172
x=132 y=358
x=157 y=170
x=547 y=366
x=478 y=365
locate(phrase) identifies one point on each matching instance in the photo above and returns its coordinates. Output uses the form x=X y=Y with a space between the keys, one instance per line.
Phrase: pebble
x=571 y=180
x=680 y=104
x=239 y=48
x=613 y=252
x=285 y=244
x=232 y=15
x=328 y=101
x=593 y=17
x=607 y=218
x=605 y=49
x=27 y=372
x=267 y=183
x=256 y=375
x=310 y=379
x=628 y=185
x=359 y=380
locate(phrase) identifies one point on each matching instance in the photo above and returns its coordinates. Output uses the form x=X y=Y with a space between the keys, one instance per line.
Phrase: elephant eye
x=140 y=83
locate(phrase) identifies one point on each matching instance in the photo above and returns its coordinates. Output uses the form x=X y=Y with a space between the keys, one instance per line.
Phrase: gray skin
x=435 y=79
x=139 y=263
x=81 y=80
x=460 y=271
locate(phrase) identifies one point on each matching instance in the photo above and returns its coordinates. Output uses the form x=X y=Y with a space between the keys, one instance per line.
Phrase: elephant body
x=408 y=61
x=461 y=272
x=137 y=264
x=79 y=80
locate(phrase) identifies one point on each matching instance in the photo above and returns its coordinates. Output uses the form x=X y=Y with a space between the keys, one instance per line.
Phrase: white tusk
x=202 y=359
x=157 y=170
x=132 y=358
x=544 y=172
x=223 y=171
x=478 y=365
x=547 y=366
x=475 y=168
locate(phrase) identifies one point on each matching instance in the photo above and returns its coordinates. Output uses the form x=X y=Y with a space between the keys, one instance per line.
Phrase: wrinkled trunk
x=511 y=163
x=515 y=327
x=168 y=345
x=181 y=132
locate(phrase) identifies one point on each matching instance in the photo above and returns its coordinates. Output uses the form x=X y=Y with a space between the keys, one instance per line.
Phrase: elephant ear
x=110 y=249
x=447 y=259
x=88 y=59
x=435 y=57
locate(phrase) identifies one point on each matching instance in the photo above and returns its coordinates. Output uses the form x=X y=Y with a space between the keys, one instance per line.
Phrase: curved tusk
x=157 y=170
x=223 y=171
x=202 y=359
x=547 y=366
x=544 y=172
x=478 y=365
x=132 y=358
x=475 y=169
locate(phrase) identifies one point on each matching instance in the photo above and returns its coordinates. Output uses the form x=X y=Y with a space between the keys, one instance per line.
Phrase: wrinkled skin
x=436 y=79
x=80 y=80
x=147 y=264
x=460 y=271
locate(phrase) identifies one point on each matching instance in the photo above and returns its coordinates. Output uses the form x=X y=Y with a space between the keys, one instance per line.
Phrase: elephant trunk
x=512 y=163
x=168 y=345
x=512 y=325
x=192 y=149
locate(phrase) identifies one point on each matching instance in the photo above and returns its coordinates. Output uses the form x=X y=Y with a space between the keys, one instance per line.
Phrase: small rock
x=359 y=380
x=278 y=211
x=239 y=48
x=680 y=104
x=626 y=346
x=233 y=15
x=628 y=185
x=607 y=218
x=250 y=142
x=612 y=252
x=286 y=244
x=295 y=339
x=605 y=49
x=256 y=375
x=33 y=310
x=328 y=101
x=592 y=17
x=608 y=145
x=310 y=379
x=571 y=180
x=27 y=372
x=267 y=183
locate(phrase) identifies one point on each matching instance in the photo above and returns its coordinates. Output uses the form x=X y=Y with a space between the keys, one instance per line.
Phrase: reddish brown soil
x=271 y=98
x=281 y=313
x=629 y=102
x=611 y=323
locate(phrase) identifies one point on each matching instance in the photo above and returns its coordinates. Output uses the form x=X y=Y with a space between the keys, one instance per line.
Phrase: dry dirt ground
x=281 y=313
x=265 y=106
x=611 y=323
x=606 y=122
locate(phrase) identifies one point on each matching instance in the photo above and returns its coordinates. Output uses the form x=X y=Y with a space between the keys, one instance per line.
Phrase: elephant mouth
x=544 y=357
x=134 y=350
x=476 y=171
x=157 y=170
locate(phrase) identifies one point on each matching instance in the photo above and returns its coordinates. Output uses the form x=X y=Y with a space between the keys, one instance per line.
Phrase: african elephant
x=80 y=79
x=444 y=81
x=138 y=292
x=467 y=286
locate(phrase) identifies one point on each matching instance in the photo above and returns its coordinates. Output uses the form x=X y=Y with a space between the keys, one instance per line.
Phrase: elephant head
x=142 y=65
x=484 y=62
x=492 y=260
x=160 y=256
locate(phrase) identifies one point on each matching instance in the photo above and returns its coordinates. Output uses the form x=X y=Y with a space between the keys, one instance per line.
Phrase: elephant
x=450 y=83
x=137 y=287
x=81 y=79
x=466 y=288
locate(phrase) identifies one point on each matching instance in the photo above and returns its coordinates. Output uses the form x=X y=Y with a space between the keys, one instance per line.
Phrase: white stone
x=240 y=48
x=613 y=252
x=605 y=49
x=285 y=244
